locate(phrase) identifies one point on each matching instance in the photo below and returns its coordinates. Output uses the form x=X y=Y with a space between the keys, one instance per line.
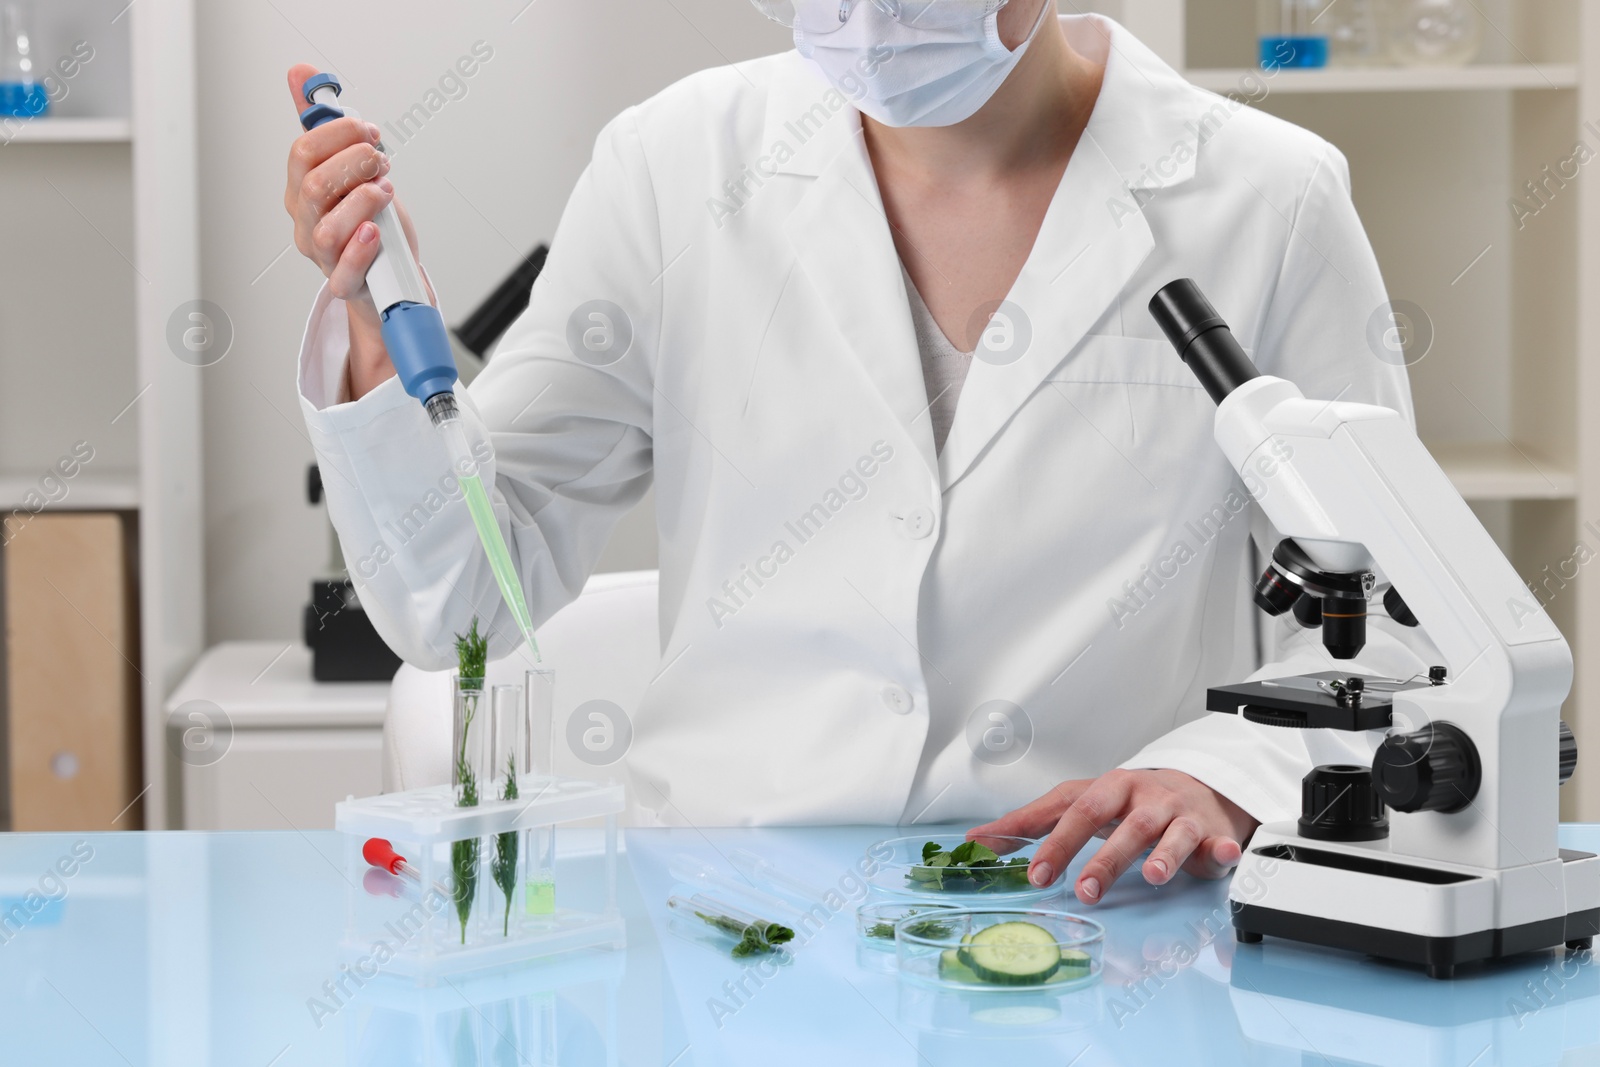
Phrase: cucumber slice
x=1075 y=966
x=961 y=953
x=953 y=969
x=1075 y=961
x=1012 y=953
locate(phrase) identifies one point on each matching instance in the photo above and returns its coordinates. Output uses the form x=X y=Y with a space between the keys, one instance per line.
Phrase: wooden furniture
x=71 y=687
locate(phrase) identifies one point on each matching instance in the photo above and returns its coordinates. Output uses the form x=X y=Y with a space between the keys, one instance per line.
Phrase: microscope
x=1444 y=850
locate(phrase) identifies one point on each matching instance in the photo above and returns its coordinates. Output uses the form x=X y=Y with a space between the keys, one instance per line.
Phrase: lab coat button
x=919 y=523
x=897 y=699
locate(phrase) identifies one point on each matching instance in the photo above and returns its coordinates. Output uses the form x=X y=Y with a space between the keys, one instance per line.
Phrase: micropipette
x=419 y=347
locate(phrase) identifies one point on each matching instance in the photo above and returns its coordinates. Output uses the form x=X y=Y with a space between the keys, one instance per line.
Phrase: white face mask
x=904 y=76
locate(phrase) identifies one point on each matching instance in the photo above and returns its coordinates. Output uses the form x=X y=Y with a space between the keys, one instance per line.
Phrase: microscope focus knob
x=1434 y=769
x=1569 y=754
x=1338 y=803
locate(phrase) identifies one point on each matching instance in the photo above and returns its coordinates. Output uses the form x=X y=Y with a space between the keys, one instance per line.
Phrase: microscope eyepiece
x=1202 y=338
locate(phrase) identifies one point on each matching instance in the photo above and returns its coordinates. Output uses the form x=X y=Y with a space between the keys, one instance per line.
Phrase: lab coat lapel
x=841 y=237
x=1093 y=240
x=1081 y=262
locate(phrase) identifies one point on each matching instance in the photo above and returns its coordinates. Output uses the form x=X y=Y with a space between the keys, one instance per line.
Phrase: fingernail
x=1089 y=889
x=1042 y=874
x=367 y=233
x=383 y=163
x=386 y=185
x=374 y=133
x=1160 y=868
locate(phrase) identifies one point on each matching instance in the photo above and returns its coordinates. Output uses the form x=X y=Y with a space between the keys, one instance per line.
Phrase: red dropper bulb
x=381 y=854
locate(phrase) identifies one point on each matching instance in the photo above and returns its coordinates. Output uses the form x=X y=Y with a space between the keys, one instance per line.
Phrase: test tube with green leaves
x=540 y=843
x=469 y=765
x=508 y=742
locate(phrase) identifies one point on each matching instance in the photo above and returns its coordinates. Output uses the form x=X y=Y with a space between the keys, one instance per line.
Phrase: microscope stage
x=1311 y=701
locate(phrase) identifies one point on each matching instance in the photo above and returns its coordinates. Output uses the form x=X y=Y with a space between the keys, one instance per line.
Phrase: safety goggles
x=826 y=16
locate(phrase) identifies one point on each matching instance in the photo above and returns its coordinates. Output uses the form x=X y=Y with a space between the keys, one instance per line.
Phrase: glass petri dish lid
x=948 y=867
x=875 y=922
x=994 y=950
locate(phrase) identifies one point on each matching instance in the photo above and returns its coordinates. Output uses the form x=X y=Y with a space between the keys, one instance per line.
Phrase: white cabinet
x=259 y=745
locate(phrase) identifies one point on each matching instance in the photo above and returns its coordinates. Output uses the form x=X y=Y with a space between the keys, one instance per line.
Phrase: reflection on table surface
x=178 y=949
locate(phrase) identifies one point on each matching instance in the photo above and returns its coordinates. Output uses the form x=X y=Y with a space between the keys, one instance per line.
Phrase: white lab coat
x=837 y=602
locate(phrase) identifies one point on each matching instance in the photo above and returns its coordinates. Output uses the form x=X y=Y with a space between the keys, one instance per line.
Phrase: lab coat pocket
x=1140 y=397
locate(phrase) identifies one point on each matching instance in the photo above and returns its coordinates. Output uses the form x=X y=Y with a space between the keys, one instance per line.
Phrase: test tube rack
x=413 y=930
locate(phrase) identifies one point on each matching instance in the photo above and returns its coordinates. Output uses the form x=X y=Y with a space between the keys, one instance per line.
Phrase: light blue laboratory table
x=201 y=949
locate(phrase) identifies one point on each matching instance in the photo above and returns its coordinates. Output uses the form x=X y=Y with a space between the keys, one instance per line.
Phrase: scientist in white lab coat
x=942 y=527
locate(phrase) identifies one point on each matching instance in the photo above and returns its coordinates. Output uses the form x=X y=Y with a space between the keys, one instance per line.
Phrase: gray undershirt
x=944 y=367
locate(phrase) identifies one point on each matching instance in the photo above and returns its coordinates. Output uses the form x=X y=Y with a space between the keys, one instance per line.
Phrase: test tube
x=507 y=733
x=471 y=773
x=696 y=872
x=762 y=871
x=508 y=742
x=734 y=922
x=538 y=688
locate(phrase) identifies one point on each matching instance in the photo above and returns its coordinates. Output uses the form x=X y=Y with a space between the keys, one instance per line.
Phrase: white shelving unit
x=74 y=131
x=1437 y=159
x=1484 y=77
x=101 y=250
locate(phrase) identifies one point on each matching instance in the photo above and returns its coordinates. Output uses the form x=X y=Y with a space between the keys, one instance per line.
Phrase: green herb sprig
x=504 y=866
x=932 y=929
x=969 y=867
x=472 y=658
x=755 y=938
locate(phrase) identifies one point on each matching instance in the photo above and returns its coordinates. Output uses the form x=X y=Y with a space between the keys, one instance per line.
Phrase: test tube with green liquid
x=540 y=845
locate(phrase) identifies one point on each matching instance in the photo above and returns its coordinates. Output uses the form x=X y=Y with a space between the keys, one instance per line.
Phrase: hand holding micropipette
x=337 y=188
x=415 y=338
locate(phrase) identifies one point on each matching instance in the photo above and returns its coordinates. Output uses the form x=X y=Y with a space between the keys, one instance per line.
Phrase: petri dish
x=1001 y=950
x=903 y=874
x=875 y=923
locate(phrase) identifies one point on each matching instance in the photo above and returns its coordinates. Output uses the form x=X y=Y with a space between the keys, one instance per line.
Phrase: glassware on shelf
x=1434 y=33
x=22 y=91
x=1292 y=33
x=1355 y=33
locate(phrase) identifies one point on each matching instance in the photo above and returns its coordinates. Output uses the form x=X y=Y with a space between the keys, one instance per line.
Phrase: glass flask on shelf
x=22 y=92
x=1356 y=33
x=1434 y=33
x=1292 y=33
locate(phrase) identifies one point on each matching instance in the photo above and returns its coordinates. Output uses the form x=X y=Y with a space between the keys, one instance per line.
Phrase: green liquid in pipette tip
x=494 y=546
x=541 y=897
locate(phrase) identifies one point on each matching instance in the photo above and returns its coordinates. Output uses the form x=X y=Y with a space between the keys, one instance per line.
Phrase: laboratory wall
x=485 y=176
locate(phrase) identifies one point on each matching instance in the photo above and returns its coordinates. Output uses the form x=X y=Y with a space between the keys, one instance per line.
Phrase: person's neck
x=1034 y=119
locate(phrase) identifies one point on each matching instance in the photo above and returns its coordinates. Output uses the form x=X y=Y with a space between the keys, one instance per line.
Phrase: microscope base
x=1439 y=954
x=1327 y=893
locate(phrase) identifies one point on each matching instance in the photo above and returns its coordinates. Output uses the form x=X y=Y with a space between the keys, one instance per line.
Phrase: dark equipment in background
x=345 y=647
